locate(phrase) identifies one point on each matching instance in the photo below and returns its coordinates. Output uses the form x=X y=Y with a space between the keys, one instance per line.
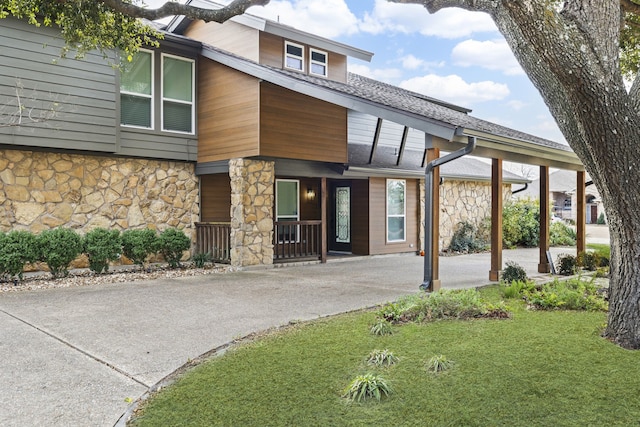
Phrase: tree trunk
x=572 y=57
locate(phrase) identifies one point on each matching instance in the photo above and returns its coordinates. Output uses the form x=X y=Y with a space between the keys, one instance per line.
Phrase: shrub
x=381 y=327
x=575 y=294
x=601 y=219
x=382 y=358
x=561 y=234
x=102 y=246
x=137 y=245
x=367 y=386
x=513 y=272
x=201 y=259
x=567 y=265
x=57 y=248
x=16 y=249
x=172 y=243
x=438 y=364
x=465 y=239
x=517 y=289
x=521 y=223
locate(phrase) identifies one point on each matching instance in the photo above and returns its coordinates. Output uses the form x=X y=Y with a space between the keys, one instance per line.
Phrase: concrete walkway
x=78 y=356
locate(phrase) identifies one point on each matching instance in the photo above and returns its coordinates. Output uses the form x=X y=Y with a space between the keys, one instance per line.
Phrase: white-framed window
x=318 y=62
x=396 y=210
x=178 y=93
x=136 y=91
x=293 y=56
x=288 y=208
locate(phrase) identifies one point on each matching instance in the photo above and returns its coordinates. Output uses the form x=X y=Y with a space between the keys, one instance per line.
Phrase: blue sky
x=453 y=55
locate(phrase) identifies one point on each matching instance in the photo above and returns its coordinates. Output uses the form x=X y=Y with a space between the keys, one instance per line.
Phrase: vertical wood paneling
x=215 y=198
x=360 y=217
x=296 y=126
x=310 y=209
x=228 y=113
x=378 y=218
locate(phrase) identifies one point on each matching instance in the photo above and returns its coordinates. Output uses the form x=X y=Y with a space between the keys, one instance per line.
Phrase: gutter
x=427 y=283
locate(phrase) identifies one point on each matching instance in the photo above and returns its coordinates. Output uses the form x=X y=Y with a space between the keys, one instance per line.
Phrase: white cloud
x=410 y=62
x=516 y=105
x=454 y=89
x=490 y=54
x=326 y=18
x=447 y=23
x=387 y=75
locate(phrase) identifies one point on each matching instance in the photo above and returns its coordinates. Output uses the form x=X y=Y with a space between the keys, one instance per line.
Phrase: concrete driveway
x=79 y=356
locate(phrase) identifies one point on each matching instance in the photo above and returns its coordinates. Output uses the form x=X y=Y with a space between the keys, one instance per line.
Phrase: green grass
x=600 y=248
x=538 y=368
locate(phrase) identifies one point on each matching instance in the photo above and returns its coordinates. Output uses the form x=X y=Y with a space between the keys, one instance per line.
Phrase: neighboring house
x=250 y=135
x=563 y=196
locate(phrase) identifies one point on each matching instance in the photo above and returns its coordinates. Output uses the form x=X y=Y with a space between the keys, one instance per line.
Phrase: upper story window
x=136 y=91
x=173 y=80
x=177 y=94
x=318 y=63
x=294 y=56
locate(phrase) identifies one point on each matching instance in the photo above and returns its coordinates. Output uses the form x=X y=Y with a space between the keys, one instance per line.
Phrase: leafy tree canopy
x=110 y=24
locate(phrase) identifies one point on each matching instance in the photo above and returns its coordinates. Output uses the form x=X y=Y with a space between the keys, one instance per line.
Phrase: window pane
x=177 y=116
x=137 y=75
x=294 y=50
x=135 y=111
x=395 y=197
x=395 y=228
x=317 y=56
x=287 y=199
x=294 y=63
x=318 y=69
x=177 y=79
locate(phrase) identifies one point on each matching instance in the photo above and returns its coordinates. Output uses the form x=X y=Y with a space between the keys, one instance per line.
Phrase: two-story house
x=252 y=132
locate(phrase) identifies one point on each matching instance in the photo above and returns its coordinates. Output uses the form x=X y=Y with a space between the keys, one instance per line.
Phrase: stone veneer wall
x=252 y=216
x=465 y=201
x=40 y=190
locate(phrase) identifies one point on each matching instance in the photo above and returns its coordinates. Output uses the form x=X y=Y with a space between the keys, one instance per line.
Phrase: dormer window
x=294 y=56
x=318 y=61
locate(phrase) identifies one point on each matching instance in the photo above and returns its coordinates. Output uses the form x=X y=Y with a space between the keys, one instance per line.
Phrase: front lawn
x=537 y=368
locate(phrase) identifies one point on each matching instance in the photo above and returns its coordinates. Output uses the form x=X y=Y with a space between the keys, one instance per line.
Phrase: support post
x=496 y=220
x=433 y=154
x=581 y=213
x=323 y=217
x=543 y=265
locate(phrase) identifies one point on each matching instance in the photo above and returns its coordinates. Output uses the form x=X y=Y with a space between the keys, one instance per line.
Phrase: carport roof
x=449 y=125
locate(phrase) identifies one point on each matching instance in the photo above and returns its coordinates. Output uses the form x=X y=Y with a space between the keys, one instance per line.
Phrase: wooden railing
x=214 y=238
x=296 y=240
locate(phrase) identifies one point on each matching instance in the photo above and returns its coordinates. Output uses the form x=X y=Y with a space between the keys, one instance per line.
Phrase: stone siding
x=465 y=201
x=40 y=190
x=252 y=201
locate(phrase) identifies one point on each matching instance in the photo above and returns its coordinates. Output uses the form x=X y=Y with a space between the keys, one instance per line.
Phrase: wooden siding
x=272 y=54
x=215 y=198
x=296 y=126
x=378 y=218
x=228 y=114
x=230 y=36
x=80 y=92
x=310 y=209
x=360 y=219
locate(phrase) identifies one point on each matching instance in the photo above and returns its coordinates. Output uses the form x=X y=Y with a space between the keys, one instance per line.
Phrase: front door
x=340 y=217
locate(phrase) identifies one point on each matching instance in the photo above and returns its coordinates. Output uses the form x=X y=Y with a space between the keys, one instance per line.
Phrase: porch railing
x=295 y=240
x=214 y=238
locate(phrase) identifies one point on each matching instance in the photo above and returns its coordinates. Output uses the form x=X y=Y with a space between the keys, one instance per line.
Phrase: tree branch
x=170 y=8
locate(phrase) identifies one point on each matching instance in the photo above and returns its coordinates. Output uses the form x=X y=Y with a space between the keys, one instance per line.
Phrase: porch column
x=252 y=200
x=432 y=154
x=323 y=217
x=581 y=213
x=496 y=219
x=543 y=265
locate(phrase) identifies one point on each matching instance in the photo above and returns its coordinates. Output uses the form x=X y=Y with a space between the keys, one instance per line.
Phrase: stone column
x=252 y=201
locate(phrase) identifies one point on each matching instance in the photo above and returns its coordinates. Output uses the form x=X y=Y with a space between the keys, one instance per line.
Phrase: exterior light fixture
x=311 y=193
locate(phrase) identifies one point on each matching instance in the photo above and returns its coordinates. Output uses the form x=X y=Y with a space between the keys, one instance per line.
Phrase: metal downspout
x=428 y=226
x=526 y=185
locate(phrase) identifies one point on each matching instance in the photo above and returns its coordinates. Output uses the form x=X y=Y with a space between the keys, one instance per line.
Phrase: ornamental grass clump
x=381 y=327
x=382 y=358
x=438 y=364
x=367 y=386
